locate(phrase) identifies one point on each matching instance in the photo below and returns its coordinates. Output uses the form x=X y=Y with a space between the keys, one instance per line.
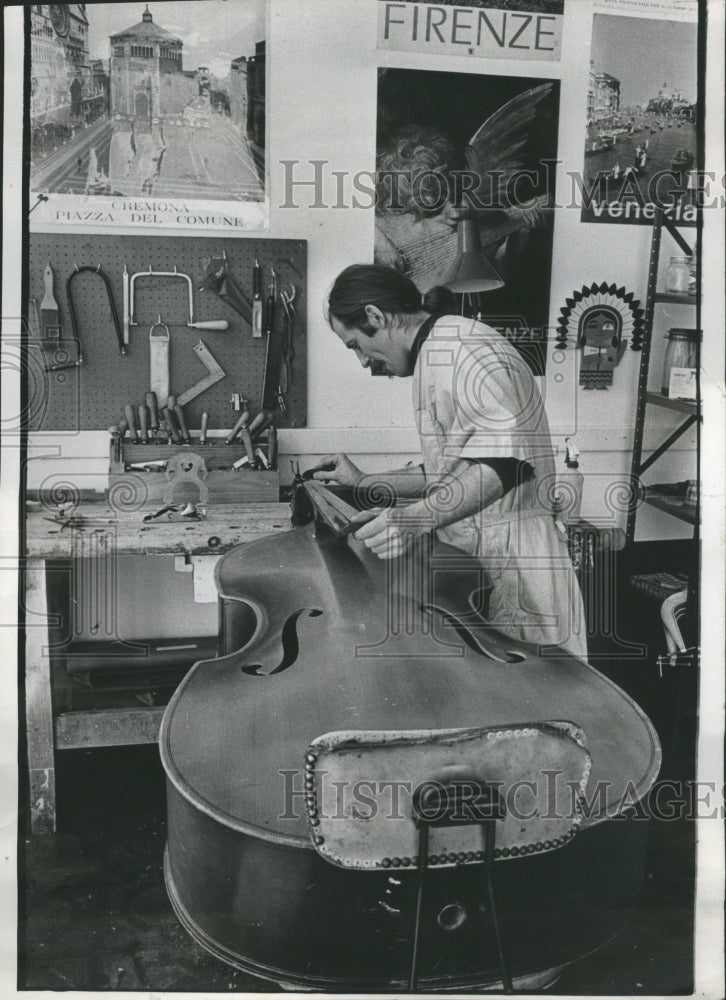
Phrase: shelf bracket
x=654 y=456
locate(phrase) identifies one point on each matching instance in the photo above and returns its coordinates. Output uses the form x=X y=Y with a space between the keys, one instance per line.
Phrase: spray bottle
x=568 y=493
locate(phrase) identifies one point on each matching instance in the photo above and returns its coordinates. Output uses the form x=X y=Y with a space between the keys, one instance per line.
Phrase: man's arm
x=339 y=470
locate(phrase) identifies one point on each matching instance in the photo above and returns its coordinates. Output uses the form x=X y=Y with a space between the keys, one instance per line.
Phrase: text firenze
x=315 y=184
x=438 y=25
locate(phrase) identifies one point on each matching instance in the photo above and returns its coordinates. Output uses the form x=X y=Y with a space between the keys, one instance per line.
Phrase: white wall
x=322 y=105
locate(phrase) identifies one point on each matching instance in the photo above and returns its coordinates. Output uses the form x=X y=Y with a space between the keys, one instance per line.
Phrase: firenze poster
x=439 y=132
x=148 y=115
x=642 y=115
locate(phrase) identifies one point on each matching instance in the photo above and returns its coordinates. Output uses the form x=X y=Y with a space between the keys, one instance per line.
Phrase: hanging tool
x=256 y=300
x=58 y=352
x=203 y=428
x=111 y=304
x=159 y=361
x=131 y=418
x=153 y=406
x=217 y=280
x=270 y=304
x=215 y=373
x=125 y=279
x=209 y=324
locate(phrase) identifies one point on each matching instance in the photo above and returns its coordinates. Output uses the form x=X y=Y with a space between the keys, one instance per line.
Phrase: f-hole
x=289 y=642
x=467 y=636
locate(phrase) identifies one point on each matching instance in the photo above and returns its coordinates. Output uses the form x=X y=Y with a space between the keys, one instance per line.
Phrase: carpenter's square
x=215 y=370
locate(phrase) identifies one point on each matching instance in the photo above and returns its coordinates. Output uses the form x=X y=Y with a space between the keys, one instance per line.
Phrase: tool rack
x=93 y=395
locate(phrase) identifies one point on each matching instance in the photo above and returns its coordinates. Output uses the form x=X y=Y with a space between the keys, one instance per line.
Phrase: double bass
x=371 y=789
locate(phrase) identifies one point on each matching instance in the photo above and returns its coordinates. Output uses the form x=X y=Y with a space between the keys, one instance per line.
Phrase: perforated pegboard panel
x=94 y=395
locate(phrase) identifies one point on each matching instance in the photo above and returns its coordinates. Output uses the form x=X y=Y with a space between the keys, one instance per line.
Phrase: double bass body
x=318 y=636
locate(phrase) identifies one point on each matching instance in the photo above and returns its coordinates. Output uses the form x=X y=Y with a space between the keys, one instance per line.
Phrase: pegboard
x=93 y=396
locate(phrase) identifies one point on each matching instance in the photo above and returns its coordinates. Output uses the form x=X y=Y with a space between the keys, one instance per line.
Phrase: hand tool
x=125 y=278
x=241 y=462
x=131 y=418
x=65 y=521
x=262 y=458
x=159 y=361
x=58 y=352
x=214 y=370
x=123 y=426
x=242 y=422
x=153 y=406
x=115 y=443
x=272 y=446
x=156 y=465
x=179 y=414
x=203 y=428
x=171 y=424
x=176 y=512
x=109 y=295
x=249 y=449
x=270 y=304
x=256 y=300
x=209 y=324
x=263 y=419
x=144 y=423
x=217 y=279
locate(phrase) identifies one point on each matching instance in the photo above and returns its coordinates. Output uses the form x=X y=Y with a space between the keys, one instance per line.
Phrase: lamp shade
x=471 y=270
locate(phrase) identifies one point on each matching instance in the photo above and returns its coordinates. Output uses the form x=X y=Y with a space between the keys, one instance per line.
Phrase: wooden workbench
x=99 y=532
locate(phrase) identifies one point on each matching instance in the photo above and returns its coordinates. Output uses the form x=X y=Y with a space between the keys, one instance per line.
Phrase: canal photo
x=148 y=114
x=642 y=120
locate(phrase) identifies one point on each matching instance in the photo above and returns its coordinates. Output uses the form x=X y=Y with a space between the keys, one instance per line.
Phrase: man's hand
x=389 y=532
x=337 y=469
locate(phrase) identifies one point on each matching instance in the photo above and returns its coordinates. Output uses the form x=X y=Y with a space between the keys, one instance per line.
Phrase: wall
x=322 y=87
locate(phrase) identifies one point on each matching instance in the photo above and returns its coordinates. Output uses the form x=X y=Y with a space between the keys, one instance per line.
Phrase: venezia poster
x=642 y=116
x=150 y=116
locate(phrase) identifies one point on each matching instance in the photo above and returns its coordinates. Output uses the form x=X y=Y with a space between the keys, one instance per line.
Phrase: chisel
x=153 y=405
x=270 y=304
x=242 y=422
x=179 y=414
x=171 y=425
x=131 y=418
x=144 y=423
x=203 y=428
x=272 y=447
x=256 y=300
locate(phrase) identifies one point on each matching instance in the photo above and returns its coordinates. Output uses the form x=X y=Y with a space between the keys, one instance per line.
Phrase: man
x=487 y=467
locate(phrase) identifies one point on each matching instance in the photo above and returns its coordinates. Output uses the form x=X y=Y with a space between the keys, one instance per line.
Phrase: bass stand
x=463 y=802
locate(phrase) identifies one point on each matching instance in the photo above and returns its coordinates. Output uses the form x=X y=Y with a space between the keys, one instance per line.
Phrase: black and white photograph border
x=148 y=114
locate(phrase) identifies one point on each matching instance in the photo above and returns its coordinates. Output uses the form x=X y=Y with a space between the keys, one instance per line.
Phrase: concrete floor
x=95 y=915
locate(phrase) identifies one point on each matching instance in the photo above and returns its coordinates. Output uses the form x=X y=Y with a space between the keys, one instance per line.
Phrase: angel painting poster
x=450 y=144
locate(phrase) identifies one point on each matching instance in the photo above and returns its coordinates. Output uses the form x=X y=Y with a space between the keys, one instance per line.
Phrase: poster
x=642 y=116
x=152 y=117
x=485 y=144
x=490 y=29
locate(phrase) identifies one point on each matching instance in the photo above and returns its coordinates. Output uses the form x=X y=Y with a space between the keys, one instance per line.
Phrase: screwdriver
x=241 y=423
x=203 y=428
x=131 y=418
x=171 y=424
x=152 y=403
x=256 y=300
x=144 y=423
x=179 y=414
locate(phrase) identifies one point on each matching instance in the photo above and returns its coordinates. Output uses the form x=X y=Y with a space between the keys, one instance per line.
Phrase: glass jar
x=681 y=352
x=678 y=275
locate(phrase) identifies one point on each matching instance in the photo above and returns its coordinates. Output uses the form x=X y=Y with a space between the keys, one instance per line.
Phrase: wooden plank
x=38 y=702
x=126 y=532
x=107 y=728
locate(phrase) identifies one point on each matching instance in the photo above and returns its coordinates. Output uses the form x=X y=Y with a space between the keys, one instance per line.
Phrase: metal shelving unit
x=647 y=399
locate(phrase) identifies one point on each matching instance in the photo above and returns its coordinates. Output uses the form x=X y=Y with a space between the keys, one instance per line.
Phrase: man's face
x=383 y=346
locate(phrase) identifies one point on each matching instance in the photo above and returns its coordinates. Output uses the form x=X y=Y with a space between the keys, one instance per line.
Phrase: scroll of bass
x=337 y=667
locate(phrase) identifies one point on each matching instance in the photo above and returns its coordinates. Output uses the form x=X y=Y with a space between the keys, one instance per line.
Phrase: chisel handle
x=144 y=422
x=257 y=318
x=210 y=324
x=262 y=420
x=203 y=428
x=272 y=447
x=153 y=404
x=249 y=450
x=123 y=426
x=241 y=423
x=131 y=417
x=179 y=414
x=171 y=424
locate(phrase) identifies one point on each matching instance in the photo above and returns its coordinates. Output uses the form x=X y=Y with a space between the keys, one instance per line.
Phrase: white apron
x=474 y=397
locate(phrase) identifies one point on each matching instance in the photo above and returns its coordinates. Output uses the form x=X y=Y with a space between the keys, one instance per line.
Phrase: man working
x=487 y=454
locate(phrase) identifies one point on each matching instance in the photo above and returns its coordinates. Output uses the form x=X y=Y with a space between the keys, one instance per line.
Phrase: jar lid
x=681 y=333
x=680 y=260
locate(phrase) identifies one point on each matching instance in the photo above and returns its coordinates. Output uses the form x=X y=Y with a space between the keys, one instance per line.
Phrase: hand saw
x=215 y=373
